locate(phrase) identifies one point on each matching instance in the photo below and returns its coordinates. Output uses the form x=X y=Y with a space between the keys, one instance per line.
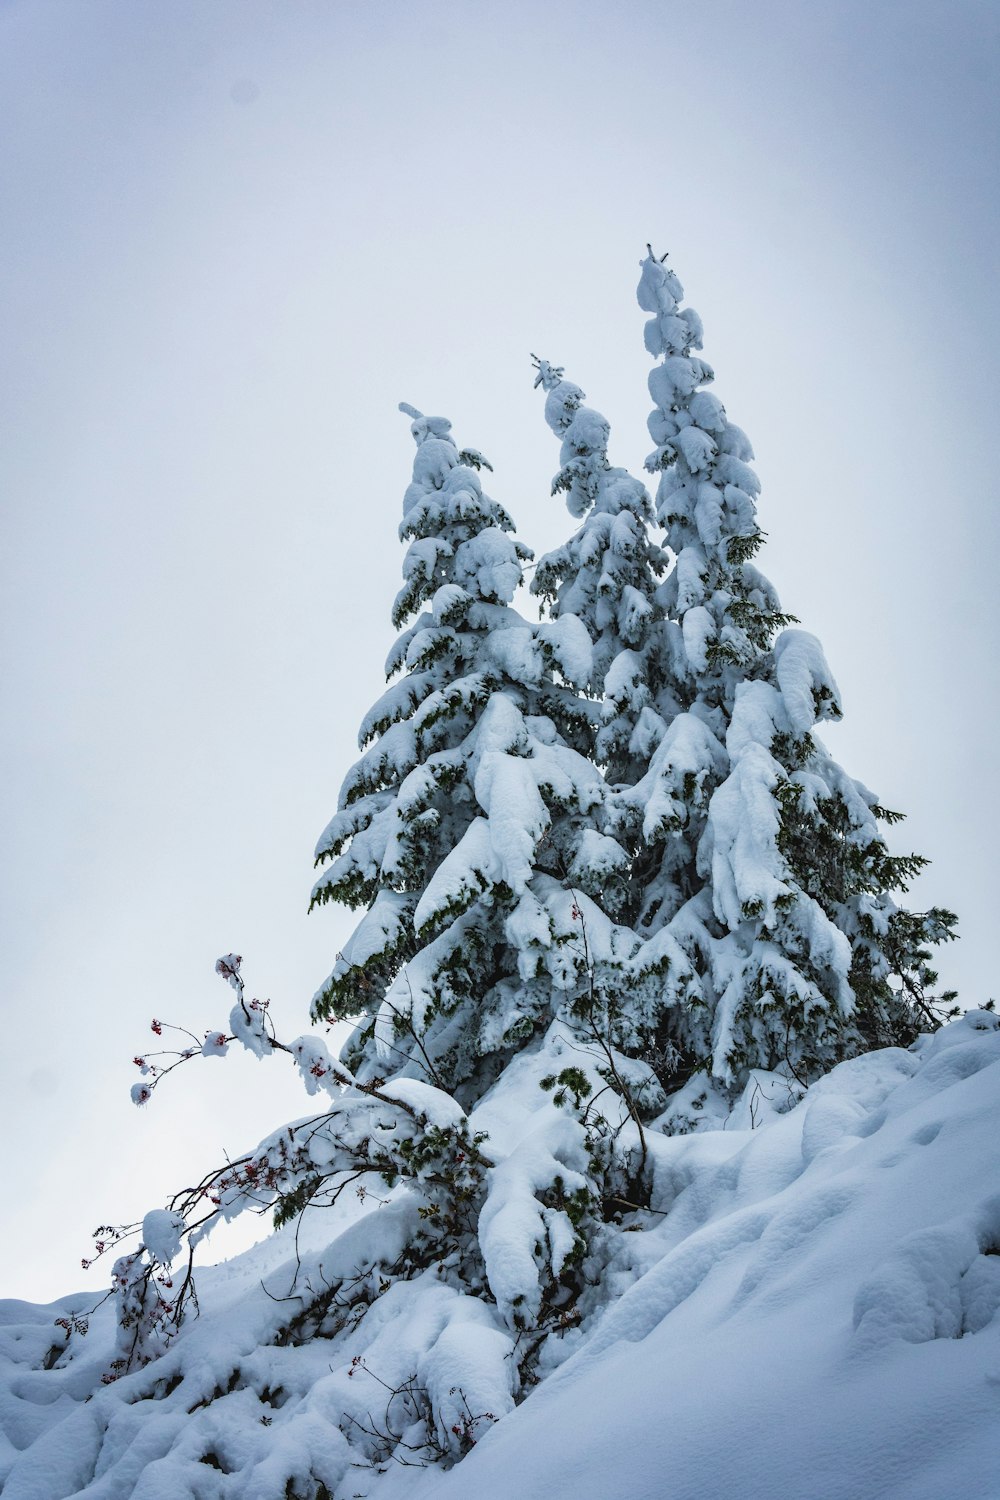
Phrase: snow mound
x=820 y=1314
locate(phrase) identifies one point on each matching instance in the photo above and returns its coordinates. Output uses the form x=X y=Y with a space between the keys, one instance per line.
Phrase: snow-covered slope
x=823 y=1324
x=817 y=1314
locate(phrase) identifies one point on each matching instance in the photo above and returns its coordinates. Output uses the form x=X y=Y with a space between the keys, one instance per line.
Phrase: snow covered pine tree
x=757 y=876
x=610 y=879
x=464 y=819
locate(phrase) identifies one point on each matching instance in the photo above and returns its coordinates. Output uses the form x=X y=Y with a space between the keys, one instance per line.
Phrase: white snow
x=815 y=1312
x=517 y=1233
x=161 y=1234
x=434 y=1105
x=489 y=562
x=507 y=791
x=248 y=1026
x=820 y=1323
x=570 y=645
x=806 y=682
x=739 y=846
x=463 y=873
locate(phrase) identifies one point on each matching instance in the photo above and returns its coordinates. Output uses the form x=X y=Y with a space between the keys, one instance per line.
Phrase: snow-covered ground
x=816 y=1315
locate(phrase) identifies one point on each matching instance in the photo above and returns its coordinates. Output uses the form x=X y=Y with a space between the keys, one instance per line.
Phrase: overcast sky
x=235 y=235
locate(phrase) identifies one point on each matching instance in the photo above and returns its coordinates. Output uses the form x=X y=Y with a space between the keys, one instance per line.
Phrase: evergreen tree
x=610 y=574
x=760 y=880
x=471 y=817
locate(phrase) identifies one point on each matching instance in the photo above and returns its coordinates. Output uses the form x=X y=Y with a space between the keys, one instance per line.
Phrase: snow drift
x=812 y=1310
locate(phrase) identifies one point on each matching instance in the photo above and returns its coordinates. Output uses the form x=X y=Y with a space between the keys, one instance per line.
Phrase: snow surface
x=820 y=1316
x=813 y=1312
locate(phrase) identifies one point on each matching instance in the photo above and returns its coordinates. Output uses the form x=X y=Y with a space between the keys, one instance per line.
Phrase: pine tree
x=761 y=880
x=610 y=574
x=467 y=825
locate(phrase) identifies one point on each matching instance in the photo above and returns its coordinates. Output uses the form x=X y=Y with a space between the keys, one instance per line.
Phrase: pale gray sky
x=235 y=235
